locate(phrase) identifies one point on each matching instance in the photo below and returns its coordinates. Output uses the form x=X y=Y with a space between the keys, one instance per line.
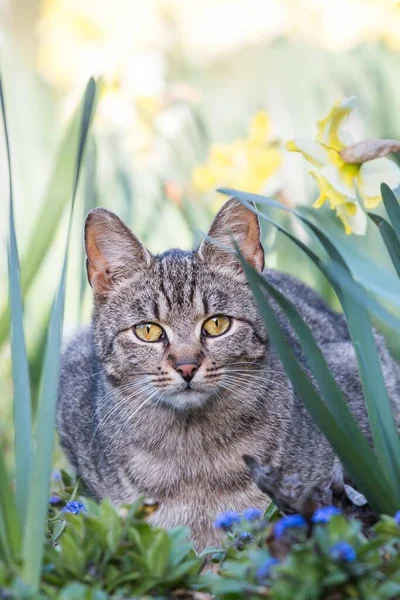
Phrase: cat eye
x=216 y=326
x=149 y=332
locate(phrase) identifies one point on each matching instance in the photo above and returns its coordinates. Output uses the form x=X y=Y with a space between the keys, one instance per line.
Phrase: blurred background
x=186 y=84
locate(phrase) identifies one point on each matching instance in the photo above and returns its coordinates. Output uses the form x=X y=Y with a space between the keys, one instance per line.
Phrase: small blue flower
x=74 y=507
x=264 y=571
x=56 y=476
x=288 y=523
x=226 y=520
x=397 y=517
x=343 y=551
x=252 y=514
x=245 y=536
x=53 y=500
x=324 y=515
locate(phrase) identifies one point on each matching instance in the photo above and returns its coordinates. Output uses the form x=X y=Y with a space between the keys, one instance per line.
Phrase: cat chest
x=182 y=469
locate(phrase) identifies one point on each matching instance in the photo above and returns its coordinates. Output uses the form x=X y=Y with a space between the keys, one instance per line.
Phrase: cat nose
x=187 y=370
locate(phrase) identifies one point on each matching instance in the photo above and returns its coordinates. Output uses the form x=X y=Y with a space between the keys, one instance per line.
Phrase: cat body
x=170 y=418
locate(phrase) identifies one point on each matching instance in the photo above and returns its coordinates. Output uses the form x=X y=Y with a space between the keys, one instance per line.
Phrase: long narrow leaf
x=392 y=242
x=20 y=369
x=37 y=508
x=53 y=205
x=346 y=447
x=339 y=275
x=392 y=207
x=10 y=533
x=383 y=428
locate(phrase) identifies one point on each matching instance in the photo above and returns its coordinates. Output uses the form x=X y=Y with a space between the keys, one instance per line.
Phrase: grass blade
x=20 y=368
x=10 y=532
x=37 y=508
x=338 y=275
x=344 y=445
x=392 y=207
x=54 y=203
x=90 y=202
x=392 y=242
x=383 y=428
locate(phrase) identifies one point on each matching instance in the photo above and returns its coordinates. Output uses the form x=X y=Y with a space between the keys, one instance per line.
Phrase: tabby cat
x=176 y=378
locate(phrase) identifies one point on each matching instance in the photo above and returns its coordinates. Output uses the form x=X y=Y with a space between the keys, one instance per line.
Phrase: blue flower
x=252 y=514
x=397 y=517
x=56 y=476
x=226 y=520
x=53 y=500
x=288 y=523
x=245 y=536
x=74 y=507
x=324 y=515
x=264 y=571
x=343 y=551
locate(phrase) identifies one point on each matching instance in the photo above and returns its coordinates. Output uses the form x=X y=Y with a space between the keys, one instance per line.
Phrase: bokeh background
x=185 y=85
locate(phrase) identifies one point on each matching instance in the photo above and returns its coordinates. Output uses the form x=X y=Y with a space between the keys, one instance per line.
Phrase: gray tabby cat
x=176 y=379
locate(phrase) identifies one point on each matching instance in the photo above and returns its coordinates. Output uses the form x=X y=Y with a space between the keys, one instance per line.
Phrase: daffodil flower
x=348 y=175
x=244 y=164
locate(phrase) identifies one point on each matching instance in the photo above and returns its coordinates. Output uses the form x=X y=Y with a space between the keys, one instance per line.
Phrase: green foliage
x=306 y=566
x=102 y=553
x=23 y=514
x=379 y=478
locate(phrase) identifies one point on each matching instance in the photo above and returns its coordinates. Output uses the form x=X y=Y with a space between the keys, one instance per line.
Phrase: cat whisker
x=115 y=410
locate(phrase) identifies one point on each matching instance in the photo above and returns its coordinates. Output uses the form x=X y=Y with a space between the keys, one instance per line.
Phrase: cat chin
x=187 y=400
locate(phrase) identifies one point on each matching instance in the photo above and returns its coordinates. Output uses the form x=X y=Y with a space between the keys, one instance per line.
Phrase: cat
x=175 y=379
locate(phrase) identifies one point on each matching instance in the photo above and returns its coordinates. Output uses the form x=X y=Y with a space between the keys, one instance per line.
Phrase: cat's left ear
x=236 y=221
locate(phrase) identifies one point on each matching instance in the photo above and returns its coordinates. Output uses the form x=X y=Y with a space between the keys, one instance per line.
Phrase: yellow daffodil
x=345 y=171
x=244 y=164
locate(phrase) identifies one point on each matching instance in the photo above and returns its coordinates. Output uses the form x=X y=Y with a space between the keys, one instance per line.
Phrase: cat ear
x=113 y=252
x=237 y=221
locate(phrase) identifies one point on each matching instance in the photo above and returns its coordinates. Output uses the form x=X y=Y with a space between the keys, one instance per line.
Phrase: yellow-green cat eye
x=149 y=332
x=216 y=326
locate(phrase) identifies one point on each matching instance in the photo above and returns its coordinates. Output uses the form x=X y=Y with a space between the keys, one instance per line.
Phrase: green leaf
x=37 y=506
x=54 y=203
x=158 y=554
x=392 y=207
x=390 y=238
x=10 y=533
x=333 y=418
x=20 y=369
x=384 y=433
x=340 y=277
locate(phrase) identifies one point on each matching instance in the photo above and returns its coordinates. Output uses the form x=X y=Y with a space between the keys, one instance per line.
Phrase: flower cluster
x=74 y=507
x=290 y=522
x=343 y=552
x=245 y=164
x=346 y=172
x=324 y=515
x=227 y=520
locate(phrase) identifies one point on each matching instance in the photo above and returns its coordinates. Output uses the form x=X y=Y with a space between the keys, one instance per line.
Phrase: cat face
x=180 y=328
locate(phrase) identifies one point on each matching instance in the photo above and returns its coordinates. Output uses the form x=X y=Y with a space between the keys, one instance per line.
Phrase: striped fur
x=126 y=419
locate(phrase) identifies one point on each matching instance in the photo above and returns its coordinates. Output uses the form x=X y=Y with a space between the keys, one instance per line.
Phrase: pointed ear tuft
x=113 y=252
x=237 y=221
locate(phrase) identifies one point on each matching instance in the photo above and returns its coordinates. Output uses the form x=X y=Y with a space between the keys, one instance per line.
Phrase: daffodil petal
x=315 y=153
x=356 y=222
x=332 y=174
x=331 y=129
x=327 y=192
x=372 y=174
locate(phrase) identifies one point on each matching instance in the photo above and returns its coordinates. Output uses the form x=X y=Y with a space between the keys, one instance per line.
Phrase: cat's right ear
x=113 y=252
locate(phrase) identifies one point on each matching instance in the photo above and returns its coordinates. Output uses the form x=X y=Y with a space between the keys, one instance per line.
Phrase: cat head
x=180 y=328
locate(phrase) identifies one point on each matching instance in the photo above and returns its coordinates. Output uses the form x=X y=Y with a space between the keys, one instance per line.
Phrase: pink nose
x=187 y=370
